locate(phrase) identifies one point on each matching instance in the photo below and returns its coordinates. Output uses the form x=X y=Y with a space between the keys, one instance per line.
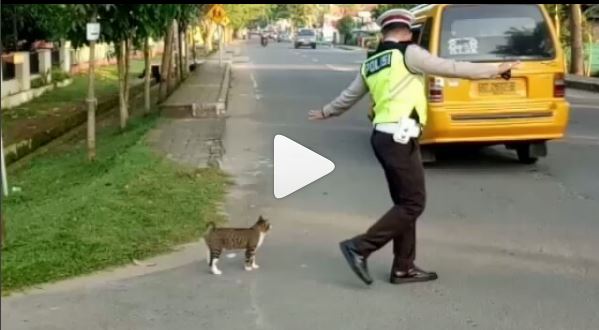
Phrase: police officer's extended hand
x=505 y=69
x=316 y=115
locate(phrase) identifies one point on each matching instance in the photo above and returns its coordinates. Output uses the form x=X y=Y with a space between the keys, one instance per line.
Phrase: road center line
x=254 y=82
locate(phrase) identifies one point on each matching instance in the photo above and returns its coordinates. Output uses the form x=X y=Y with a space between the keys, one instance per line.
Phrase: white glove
x=408 y=128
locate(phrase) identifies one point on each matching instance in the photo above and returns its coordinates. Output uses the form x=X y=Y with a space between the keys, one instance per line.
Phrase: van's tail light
x=559 y=85
x=435 y=90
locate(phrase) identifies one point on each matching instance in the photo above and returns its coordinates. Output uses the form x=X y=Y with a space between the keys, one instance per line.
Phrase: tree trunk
x=187 y=40
x=172 y=69
x=122 y=88
x=193 y=51
x=164 y=67
x=209 y=36
x=127 y=68
x=577 y=56
x=147 y=77
x=91 y=100
x=180 y=44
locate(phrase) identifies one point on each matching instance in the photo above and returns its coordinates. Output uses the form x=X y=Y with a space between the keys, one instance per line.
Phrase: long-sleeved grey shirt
x=417 y=60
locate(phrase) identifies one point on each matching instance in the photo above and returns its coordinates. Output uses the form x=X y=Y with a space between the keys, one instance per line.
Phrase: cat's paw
x=248 y=268
x=254 y=266
x=216 y=271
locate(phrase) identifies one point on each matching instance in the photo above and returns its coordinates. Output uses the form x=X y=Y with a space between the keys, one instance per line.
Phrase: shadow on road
x=476 y=158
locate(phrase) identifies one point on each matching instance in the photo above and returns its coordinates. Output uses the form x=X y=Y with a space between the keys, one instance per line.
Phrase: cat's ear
x=261 y=218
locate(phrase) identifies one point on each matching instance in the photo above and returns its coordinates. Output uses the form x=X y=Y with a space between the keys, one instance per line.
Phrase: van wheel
x=524 y=155
x=313 y=46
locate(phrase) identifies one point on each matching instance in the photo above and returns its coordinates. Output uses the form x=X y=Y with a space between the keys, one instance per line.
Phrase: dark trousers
x=405 y=176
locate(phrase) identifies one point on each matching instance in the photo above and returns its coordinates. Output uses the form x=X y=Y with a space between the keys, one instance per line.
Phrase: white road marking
x=342 y=68
x=314 y=60
x=582 y=105
x=254 y=82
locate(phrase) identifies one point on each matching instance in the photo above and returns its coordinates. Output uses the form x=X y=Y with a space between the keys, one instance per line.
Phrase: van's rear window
x=495 y=33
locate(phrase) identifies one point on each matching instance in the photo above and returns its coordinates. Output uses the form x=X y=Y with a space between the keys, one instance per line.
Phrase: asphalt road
x=515 y=246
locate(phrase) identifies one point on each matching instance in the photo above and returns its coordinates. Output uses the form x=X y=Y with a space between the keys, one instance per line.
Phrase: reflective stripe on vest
x=396 y=91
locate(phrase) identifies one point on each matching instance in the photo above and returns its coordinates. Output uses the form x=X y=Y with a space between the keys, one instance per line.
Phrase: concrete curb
x=180 y=256
x=349 y=48
x=221 y=105
x=584 y=83
x=216 y=108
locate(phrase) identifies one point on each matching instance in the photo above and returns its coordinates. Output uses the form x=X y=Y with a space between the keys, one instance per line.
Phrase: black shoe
x=356 y=261
x=413 y=275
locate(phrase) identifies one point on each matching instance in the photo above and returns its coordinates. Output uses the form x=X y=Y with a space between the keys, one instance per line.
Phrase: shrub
x=58 y=75
x=38 y=82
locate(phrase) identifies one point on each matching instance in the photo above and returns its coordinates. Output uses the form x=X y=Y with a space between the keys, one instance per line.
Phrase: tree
x=345 y=26
x=242 y=15
x=146 y=18
x=303 y=14
x=120 y=26
x=186 y=15
x=378 y=10
x=24 y=24
x=150 y=21
x=577 y=55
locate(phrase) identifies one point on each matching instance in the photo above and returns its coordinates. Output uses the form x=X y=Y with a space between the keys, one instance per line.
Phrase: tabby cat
x=250 y=239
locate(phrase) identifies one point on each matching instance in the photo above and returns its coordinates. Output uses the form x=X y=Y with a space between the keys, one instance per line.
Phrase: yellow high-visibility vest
x=395 y=90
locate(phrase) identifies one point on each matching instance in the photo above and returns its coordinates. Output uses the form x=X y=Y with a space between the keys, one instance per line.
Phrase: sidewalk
x=203 y=94
x=584 y=83
x=192 y=134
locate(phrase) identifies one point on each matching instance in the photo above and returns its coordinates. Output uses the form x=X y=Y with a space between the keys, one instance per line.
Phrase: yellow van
x=522 y=113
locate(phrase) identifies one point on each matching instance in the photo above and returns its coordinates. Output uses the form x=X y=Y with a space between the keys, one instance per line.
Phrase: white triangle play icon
x=296 y=166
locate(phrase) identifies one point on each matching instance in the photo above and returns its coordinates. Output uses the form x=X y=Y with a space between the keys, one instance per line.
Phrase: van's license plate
x=497 y=88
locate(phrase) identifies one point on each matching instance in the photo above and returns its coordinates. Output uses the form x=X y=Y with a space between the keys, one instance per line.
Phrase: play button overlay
x=296 y=166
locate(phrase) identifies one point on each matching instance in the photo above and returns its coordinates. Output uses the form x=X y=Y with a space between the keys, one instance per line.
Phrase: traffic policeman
x=393 y=75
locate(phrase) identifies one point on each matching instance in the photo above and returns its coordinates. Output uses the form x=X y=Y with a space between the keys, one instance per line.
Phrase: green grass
x=72 y=217
x=106 y=85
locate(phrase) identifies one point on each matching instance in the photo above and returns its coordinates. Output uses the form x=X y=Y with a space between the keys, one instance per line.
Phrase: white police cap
x=395 y=16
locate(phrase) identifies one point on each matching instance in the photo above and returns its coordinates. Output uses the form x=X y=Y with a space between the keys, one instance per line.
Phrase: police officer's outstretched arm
x=348 y=98
x=421 y=61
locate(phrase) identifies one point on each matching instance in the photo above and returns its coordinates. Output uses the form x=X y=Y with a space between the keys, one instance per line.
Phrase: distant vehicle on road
x=305 y=37
x=283 y=37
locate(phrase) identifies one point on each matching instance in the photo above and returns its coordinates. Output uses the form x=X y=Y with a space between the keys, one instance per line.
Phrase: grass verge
x=72 y=217
x=106 y=85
